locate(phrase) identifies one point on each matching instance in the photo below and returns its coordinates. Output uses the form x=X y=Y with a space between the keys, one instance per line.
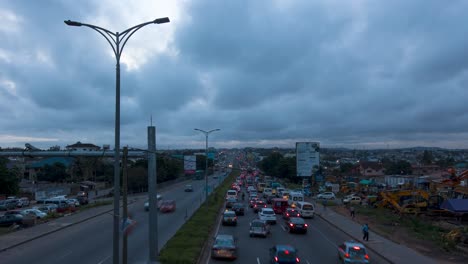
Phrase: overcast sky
x=360 y=74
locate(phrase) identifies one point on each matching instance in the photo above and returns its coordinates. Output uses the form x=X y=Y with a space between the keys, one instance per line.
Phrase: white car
x=35 y=212
x=352 y=200
x=74 y=202
x=326 y=195
x=268 y=215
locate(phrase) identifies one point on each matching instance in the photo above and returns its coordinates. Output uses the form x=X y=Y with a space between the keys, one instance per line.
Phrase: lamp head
x=73 y=23
x=161 y=20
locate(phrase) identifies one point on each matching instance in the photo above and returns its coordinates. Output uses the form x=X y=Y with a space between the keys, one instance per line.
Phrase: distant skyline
x=354 y=74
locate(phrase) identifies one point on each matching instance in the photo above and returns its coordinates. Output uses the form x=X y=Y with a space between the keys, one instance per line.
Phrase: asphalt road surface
x=319 y=245
x=91 y=241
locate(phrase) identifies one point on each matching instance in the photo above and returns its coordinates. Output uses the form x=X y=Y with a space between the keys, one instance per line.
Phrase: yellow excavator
x=405 y=201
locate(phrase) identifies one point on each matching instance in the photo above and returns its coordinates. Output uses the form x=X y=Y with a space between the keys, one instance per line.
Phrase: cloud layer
x=267 y=73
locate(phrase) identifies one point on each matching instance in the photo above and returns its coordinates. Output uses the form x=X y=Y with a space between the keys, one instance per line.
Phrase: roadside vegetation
x=187 y=244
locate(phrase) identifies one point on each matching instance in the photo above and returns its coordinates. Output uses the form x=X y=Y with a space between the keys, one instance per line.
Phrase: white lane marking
x=307 y=262
x=258 y=260
x=284 y=228
x=104 y=260
x=326 y=238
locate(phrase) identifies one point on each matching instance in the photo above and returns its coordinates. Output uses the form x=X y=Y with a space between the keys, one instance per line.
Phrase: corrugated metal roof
x=456 y=205
x=51 y=161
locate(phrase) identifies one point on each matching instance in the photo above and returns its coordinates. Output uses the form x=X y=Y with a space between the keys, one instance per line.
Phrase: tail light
x=297 y=260
x=291 y=225
x=346 y=255
x=305 y=225
x=366 y=257
x=287 y=214
x=276 y=259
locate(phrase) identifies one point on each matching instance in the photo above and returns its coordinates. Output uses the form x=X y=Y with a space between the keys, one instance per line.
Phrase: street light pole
x=117 y=41
x=206 y=157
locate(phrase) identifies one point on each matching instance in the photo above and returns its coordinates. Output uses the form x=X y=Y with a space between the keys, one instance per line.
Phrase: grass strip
x=187 y=244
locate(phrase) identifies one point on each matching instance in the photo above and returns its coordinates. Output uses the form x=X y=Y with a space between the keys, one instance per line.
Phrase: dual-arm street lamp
x=206 y=157
x=117 y=41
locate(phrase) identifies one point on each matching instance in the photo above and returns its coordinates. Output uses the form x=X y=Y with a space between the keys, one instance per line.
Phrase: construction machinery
x=405 y=201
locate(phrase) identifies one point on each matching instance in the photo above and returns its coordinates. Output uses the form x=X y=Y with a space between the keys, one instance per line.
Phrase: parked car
x=23 y=202
x=13 y=212
x=168 y=206
x=297 y=225
x=284 y=254
x=8 y=204
x=229 y=218
x=326 y=195
x=47 y=208
x=291 y=212
x=35 y=212
x=239 y=208
x=352 y=200
x=259 y=228
x=188 y=188
x=74 y=202
x=352 y=252
x=268 y=215
x=224 y=247
x=8 y=220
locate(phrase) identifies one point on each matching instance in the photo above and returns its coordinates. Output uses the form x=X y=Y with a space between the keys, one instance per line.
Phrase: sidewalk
x=23 y=236
x=387 y=249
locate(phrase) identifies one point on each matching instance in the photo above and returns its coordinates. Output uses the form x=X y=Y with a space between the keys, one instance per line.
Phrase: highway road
x=91 y=241
x=319 y=245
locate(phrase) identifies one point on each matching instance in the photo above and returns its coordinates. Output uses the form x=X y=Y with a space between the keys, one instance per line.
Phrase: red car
x=167 y=206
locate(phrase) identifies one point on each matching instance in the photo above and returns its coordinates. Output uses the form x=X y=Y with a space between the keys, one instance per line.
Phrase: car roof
x=267 y=209
x=285 y=247
x=224 y=236
x=354 y=244
x=296 y=220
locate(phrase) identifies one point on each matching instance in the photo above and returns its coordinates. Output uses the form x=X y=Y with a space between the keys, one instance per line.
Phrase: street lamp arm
x=213 y=130
x=130 y=32
x=107 y=34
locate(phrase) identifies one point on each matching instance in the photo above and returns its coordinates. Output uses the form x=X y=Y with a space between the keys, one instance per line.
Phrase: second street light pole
x=117 y=41
x=206 y=157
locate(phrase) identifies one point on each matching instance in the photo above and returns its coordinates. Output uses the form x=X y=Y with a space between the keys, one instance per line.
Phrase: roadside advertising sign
x=190 y=164
x=307 y=158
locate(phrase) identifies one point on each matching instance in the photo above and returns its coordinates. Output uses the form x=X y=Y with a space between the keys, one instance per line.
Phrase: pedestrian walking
x=352 y=212
x=324 y=203
x=365 y=232
x=243 y=196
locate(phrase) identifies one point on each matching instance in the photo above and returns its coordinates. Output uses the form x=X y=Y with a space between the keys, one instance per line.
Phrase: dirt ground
x=404 y=236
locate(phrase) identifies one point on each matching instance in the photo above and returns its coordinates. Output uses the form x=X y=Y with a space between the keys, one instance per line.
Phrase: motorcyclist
x=243 y=196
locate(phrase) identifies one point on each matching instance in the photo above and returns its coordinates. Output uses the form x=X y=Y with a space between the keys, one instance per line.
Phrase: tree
x=427 y=158
x=56 y=172
x=9 y=183
x=398 y=167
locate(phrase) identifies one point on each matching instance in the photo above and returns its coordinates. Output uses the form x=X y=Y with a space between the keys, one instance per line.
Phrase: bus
x=279 y=205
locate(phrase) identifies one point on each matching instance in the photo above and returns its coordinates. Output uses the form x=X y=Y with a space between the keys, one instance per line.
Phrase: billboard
x=190 y=164
x=307 y=156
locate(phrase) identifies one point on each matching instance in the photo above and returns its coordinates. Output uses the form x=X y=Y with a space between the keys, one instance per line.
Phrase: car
x=35 y=212
x=167 y=206
x=270 y=198
x=47 y=208
x=8 y=204
x=284 y=254
x=231 y=194
x=352 y=252
x=268 y=215
x=352 y=200
x=9 y=220
x=239 y=208
x=326 y=195
x=253 y=201
x=258 y=205
x=296 y=225
x=291 y=212
x=74 y=202
x=259 y=228
x=224 y=247
x=188 y=188
x=230 y=202
x=229 y=218
x=23 y=202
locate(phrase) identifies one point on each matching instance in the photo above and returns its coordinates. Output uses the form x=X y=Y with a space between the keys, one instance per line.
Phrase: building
x=78 y=146
x=371 y=169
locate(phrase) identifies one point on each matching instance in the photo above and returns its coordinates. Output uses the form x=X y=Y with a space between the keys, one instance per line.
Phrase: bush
x=187 y=244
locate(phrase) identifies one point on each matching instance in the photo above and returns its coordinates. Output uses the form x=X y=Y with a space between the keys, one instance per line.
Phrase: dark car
x=8 y=220
x=230 y=202
x=259 y=228
x=270 y=198
x=258 y=205
x=167 y=206
x=13 y=212
x=8 y=204
x=239 y=208
x=188 y=188
x=229 y=218
x=284 y=254
x=297 y=225
x=252 y=201
x=224 y=247
x=291 y=212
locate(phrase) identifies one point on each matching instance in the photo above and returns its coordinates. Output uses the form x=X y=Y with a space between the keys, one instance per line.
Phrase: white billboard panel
x=307 y=156
x=190 y=164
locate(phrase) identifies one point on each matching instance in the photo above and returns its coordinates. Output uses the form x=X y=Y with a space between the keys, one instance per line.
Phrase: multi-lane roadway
x=91 y=241
x=319 y=245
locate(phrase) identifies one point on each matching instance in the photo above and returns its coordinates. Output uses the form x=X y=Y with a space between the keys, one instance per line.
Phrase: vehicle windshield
x=229 y=214
x=357 y=251
x=297 y=220
x=307 y=207
x=224 y=242
x=269 y=212
x=286 y=255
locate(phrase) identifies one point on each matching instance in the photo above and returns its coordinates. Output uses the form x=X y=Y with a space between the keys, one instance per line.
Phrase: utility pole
x=153 y=203
x=124 y=201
